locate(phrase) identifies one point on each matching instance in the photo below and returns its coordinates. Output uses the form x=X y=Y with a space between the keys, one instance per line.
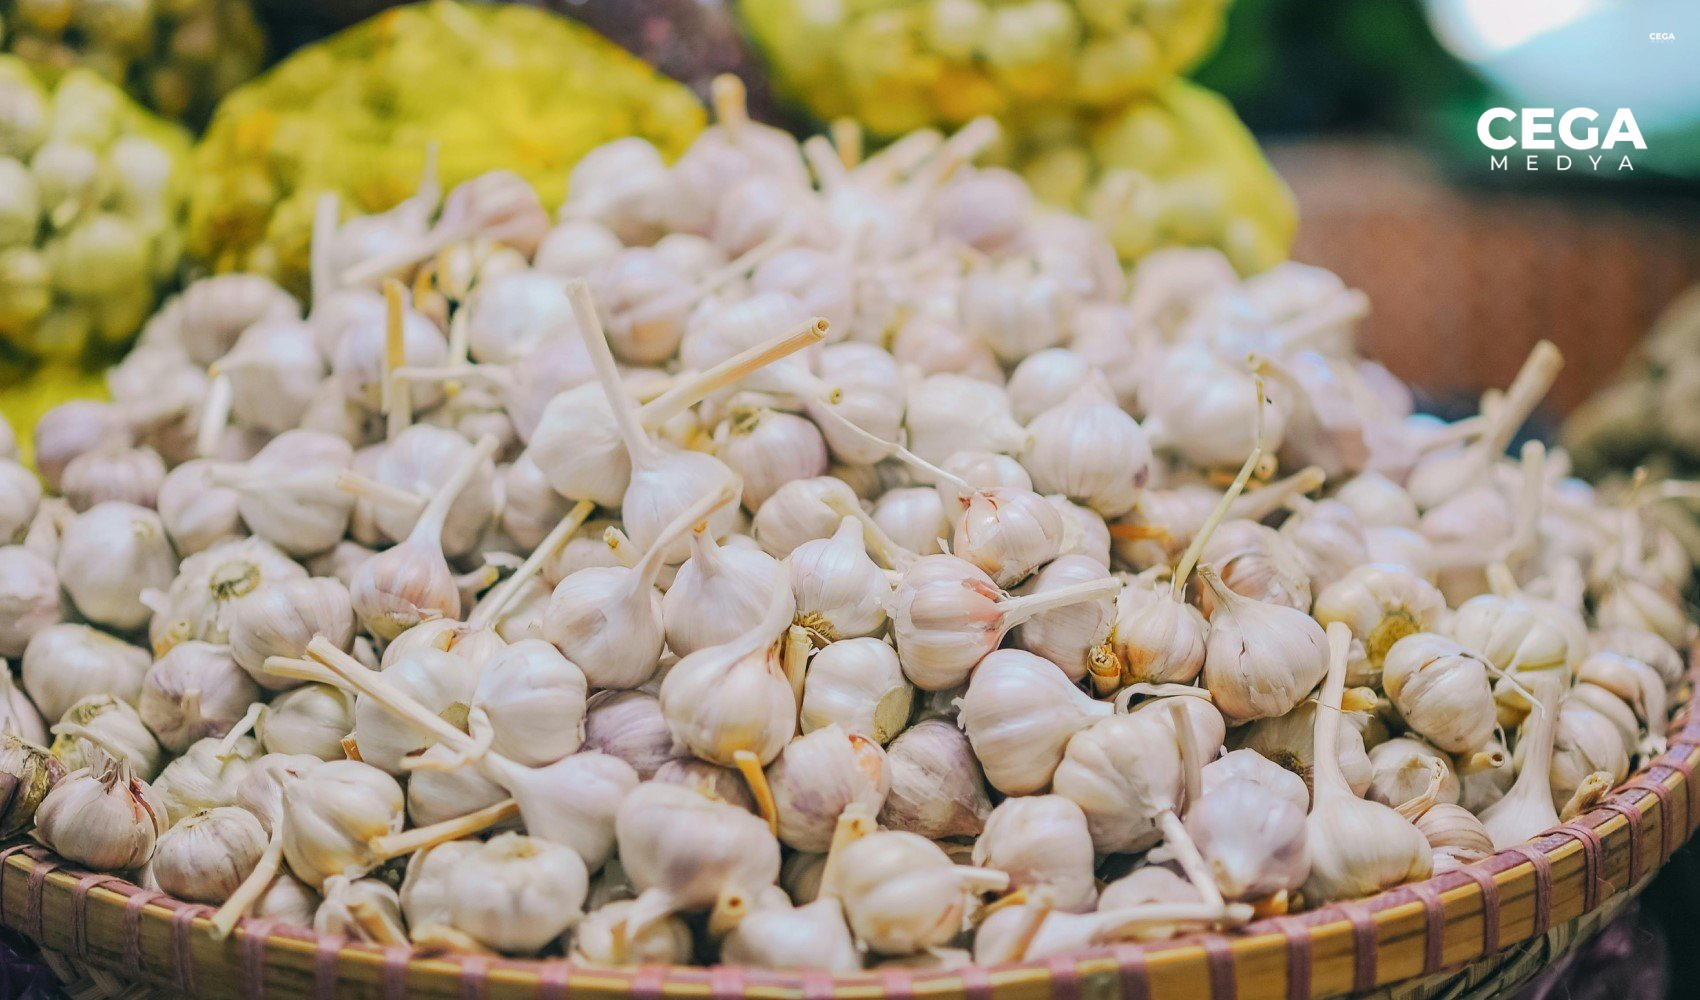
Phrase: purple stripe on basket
x=80 y=910
x=1434 y=916
x=1682 y=763
x=32 y=898
x=252 y=938
x=976 y=985
x=1298 y=958
x=1632 y=823
x=133 y=928
x=182 y=936
x=473 y=969
x=1065 y=978
x=325 y=961
x=14 y=849
x=1542 y=866
x=1589 y=838
x=1365 y=947
x=900 y=984
x=395 y=972
x=1135 y=975
x=1220 y=960
x=1667 y=826
x=554 y=981
x=818 y=986
x=1490 y=906
x=726 y=982
x=646 y=983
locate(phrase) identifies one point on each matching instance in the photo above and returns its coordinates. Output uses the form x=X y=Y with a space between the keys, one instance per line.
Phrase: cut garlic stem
x=1033 y=917
x=901 y=157
x=648 y=568
x=396 y=397
x=729 y=910
x=1414 y=808
x=854 y=823
x=252 y=888
x=227 y=745
x=1015 y=610
x=1192 y=769
x=1326 y=766
x=464 y=371
x=796 y=659
x=624 y=551
x=490 y=610
x=371 y=921
x=1485 y=760
x=847 y=139
x=1181 y=845
x=215 y=416
x=383 y=494
x=321 y=275
x=726 y=92
x=749 y=765
x=1530 y=386
x=879 y=544
x=642 y=450
x=1588 y=794
x=979 y=880
x=374 y=685
x=1266 y=500
x=396 y=845
x=1346 y=306
x=824 y=160
x=690 y=390
x=304 y=670
x=1526 y=533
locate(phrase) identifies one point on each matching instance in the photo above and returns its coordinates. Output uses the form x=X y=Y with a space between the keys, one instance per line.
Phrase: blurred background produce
x=177 y=56
x=354 y=115
x=91 y=198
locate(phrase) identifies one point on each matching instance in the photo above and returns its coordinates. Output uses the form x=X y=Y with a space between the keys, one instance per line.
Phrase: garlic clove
x=1042 y=842
x=859 y=685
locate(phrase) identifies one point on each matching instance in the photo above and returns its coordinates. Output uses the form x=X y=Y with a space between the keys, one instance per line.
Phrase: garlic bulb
x=1252 y=837
x=420 y=460
x=1020 y=713
x=1642 y=645
x=1260 y=659
x=801 y=510
x=1042 y=842
x=287 y=493
x=913 y=517
x=20 y=498
x=197 y=513
x=207 y=776
x=768 y=449
x=856 y=684
x=948 y=413
x=1381 y=605
x=287 y=901
x=840 y=592
x=103 y=817
x=1124 y=772
x=717 y=594
x=1588 y=740
x=65 y=663
x=194 y=690
x=629 y=725
x=441 y=790
x=1257 y=562
x=362 y=909
x=1089 y=450
x=937 y=787
x=108 y=556
x=813 y=936
x=1289 y=741
x=1520 y=634
x=1357 y=847
x=1328 y=539
x=683 y=851
x=29 y=598
x=723 y=784
x=113 y=724
x=902 y=894
x=1246 y=764
x=1441 y=689
x=1074 y=636
x=603 y=938
x=442 y=682
x=206 y=855
x=196 y=604
x=312 y=719
x=281 y=617
x=1401 y=770
x=27 y=773
x=1528 y=808
x=817 y=776
x=127 y=475
x=947 y=615
x=533 y=698
x=516 y=893
x=332 y=813
x=1047 y=378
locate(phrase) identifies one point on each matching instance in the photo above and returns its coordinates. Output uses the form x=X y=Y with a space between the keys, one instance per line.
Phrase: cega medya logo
x=1534 y=128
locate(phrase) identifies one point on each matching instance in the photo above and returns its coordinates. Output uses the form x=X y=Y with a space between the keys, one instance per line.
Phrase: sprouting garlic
x=1381 y=605
x=1260 y=659
x=609 y=621
x=362 y=909
x=27 y=773
x=207 y=776
x=902 y=894
x=937 y=787
x=1401 y=770
x=112 y=723
x=332 y=813
x=1020 y=713
x=856 y=684
x=312 y=719
x=840 y=592
x=603 y=938
x=194 y=690
x=683 y=851
x=1441 y=689
x=103 y=817
x=108 y=556
x=206 y=855
x=717 y=594
x=630 y=726
x=1356 y=847
x=817 y=776
x=64 y=663
x=281 y=617
x=1042 y=842
x=947 y=615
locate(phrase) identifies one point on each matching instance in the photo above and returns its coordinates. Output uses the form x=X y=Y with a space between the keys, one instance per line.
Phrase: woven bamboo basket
x=1477 y=931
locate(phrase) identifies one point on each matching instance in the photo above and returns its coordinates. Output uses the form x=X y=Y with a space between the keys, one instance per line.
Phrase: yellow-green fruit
x=92 y=191
x=898 y=65
x=496 y=86
x=177 y=56
x=1176 y=168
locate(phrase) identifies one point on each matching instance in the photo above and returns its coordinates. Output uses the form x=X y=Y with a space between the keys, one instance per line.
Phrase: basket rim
x=1508 y=898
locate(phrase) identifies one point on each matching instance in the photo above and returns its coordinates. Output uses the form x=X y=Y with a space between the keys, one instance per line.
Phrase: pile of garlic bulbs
x=788 y=560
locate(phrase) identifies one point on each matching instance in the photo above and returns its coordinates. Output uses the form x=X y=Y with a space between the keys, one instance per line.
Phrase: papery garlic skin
x=937 y=787
x=819 y=775
x=108 y=556
x=629 y=725
x=442 y=682
x=574 y=802
x=118 y=726
x=1288 y=740
x=335 y=916
x=1441 y=688
x=207 y=776
x=281 y=617
x=1257 y=562
x=1089 y=450
x=681 y=849
x=809 y=937
x=66 y=662
x=517 y=893
x=1249 y=765
x=859 y=685
x=311 y=719
x=332 y=813
x=203 y=857
x=1042 y=842
x=104 y=818
x=1008 y=533
x=840 y=592
x=197 y=604
x=1020 y=712
x=194 y=690
x=534 y=700
x=1253 y=839
x=901 y=893
x=1402 y=770
x=718 y=594
x=1381 y=605
x=1260 y=659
